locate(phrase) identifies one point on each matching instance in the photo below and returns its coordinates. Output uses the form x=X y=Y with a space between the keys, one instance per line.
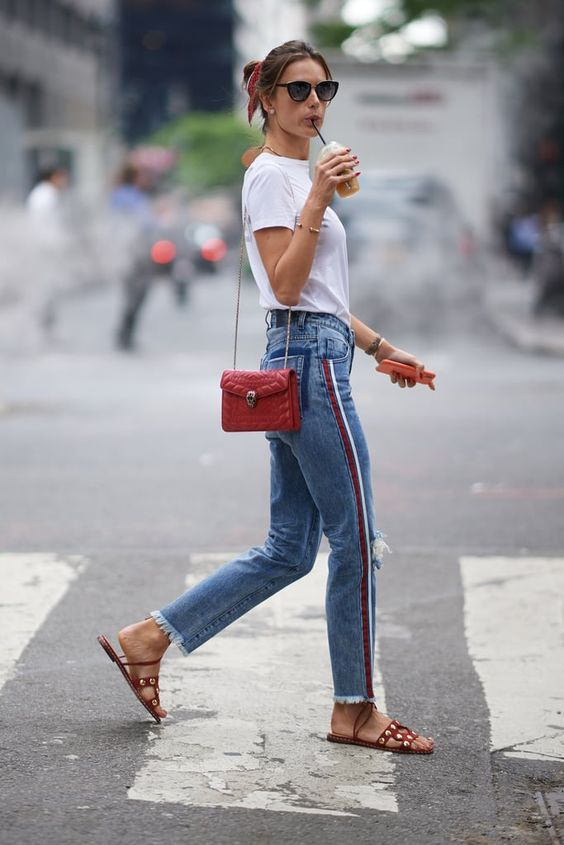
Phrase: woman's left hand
x=392 y=353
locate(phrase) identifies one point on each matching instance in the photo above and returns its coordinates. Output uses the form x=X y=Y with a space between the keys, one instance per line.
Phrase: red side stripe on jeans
x=368 y=658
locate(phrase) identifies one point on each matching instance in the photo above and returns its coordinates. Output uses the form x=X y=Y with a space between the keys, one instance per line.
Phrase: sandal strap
x=148 y=682
x=360 y=722
x=399 y=733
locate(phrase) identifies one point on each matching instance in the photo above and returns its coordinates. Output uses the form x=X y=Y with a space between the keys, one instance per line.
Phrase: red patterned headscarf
x=251 y=87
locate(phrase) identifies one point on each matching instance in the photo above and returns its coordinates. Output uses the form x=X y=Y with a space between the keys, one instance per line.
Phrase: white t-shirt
x=43 y=200
x=275 y=189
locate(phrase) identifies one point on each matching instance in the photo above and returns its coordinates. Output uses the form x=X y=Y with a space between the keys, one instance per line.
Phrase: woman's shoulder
x=265 y=169
x=265 y=160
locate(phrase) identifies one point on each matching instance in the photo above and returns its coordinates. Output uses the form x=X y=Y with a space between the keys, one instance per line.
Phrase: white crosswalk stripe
x=31 y=584
x=262 y=698
x=250 y=709
x=514 y=617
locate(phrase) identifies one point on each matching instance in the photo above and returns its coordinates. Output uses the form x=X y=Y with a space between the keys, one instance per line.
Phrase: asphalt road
x=117 y=488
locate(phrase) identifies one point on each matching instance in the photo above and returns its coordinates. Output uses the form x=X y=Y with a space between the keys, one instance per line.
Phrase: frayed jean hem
x=352 y=699
x=167 y=629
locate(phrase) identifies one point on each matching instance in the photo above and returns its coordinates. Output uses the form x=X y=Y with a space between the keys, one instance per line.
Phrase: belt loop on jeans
x=302 y=316
x=275 y=318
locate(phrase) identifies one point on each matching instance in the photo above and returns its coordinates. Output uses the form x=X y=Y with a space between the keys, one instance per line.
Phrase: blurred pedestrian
x=137 y=225
x=320 y=474
x=50 y=240
x=523 y=238
x=548 y=266
x=45 y=200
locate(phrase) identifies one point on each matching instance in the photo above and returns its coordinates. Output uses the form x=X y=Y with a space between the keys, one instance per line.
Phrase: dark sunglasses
x=300 y=91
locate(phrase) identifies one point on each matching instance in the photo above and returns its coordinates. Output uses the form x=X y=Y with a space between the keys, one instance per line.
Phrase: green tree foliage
x=513 y=33
x=209 y=147
x=511 y=19
x=488 y=9
x=330 y=33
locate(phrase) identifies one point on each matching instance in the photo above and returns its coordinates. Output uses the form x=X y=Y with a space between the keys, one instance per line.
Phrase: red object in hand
x=387 y=366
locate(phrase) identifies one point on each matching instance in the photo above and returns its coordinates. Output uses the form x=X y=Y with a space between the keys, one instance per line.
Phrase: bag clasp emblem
x=251 y=398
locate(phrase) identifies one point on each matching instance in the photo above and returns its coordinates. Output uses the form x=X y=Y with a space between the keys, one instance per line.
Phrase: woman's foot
x=144 y=643
x=371 y=727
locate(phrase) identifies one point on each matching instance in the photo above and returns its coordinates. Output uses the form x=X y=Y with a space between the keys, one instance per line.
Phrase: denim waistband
x=305 y=319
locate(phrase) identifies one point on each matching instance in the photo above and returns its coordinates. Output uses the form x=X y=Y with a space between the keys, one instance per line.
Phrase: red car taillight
x=163 y=252
x=214 y=249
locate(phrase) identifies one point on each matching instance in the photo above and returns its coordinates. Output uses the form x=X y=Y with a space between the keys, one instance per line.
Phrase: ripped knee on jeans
x=377 y=548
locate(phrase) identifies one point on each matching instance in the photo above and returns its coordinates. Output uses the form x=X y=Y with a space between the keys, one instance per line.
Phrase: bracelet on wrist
x=311 y=229
x=374 y=346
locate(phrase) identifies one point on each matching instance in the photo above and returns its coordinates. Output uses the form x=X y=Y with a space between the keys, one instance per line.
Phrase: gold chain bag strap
x=258 y=400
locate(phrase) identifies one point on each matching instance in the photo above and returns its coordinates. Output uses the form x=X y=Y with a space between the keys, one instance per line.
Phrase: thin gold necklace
x=266 y=147
x=280 y=155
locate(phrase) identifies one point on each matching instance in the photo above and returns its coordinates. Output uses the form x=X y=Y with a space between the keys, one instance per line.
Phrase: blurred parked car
x=410 y=249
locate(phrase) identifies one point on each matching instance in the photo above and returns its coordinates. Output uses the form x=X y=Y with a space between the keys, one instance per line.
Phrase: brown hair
x=127 y=175
x=272 y=68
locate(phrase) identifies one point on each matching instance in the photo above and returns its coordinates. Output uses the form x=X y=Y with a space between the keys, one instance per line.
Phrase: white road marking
x=31 y=586
x=259 y=697
x=514 y=627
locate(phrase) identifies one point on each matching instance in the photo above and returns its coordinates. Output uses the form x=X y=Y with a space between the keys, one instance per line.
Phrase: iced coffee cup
x=351 y=186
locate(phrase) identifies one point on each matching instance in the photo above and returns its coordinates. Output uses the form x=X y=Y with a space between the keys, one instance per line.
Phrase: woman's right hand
x=331 y=171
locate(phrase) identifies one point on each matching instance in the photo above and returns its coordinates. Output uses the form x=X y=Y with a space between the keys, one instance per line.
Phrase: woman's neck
x=297 y=148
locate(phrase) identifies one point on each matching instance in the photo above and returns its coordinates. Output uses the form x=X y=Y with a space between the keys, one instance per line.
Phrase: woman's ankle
x=148 y=632
x=345 y=708
x=345 y=714
x=155 y=633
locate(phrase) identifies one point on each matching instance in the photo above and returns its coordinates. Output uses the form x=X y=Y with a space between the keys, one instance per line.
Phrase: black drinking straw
x=318 y=132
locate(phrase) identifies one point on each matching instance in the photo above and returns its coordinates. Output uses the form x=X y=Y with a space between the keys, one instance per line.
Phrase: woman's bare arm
x=364 y=336
x=288 y=255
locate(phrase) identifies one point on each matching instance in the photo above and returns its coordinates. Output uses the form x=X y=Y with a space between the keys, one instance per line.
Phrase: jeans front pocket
x=294 y=362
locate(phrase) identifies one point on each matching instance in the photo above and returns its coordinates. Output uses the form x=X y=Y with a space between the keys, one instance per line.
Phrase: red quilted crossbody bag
x=259 y=400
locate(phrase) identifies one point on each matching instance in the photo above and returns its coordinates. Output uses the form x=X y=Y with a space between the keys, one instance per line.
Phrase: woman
x=297 y=251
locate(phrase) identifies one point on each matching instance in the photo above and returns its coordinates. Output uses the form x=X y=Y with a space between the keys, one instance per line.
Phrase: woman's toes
x=148 y=695
x=424 y=743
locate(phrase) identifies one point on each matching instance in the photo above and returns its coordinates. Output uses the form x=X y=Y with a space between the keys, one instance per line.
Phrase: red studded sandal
x=393 y=731
x=136 y=684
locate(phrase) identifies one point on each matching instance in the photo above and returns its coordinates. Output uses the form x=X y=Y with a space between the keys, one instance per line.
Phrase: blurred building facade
x=175 y=56
x=261 y=25
x=56 y=83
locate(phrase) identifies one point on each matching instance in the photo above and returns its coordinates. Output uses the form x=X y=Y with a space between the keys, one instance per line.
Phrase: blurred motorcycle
x=208 y=246
x=201 y=248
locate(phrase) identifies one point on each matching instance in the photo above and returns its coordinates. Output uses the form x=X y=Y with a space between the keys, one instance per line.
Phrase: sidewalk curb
x=508 y=307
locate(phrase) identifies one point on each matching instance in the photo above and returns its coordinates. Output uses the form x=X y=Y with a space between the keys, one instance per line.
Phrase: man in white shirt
x=48 y=243
x=44 y=199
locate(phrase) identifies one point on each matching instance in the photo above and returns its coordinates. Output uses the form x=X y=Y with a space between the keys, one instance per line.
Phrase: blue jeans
x=320 y=482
